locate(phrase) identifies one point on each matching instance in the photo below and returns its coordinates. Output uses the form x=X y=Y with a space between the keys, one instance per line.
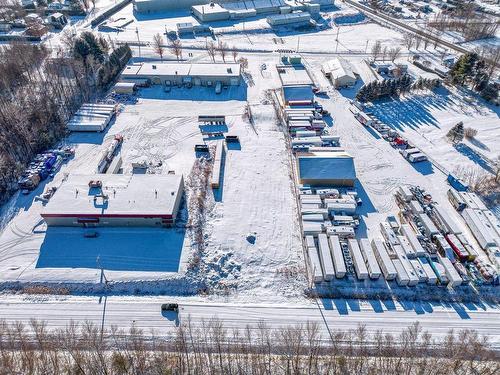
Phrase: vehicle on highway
x=170 y=307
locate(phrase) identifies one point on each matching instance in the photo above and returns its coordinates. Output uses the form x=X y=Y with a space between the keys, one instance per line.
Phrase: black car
x=170 y=307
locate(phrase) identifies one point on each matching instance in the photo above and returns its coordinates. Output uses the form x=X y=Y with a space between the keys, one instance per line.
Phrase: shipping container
x=383 y=259
x=429 y=227
x=460 y=250
x=326 y=257
x=431 y=276
x=311 y=198
x=315 y=211
x=388 y=234
x=454 y=278
x=401 y=276
x=357 y=259
x=456 y=200
x=447 y=222
x=314 y=262
x=406 y=246
x=343 y=232
x=444 y=248
x=481 y=231
x=316 y=217
x=370 y=259
x=311 y=228
x=492 y=219
x=408 y=232
x=472 y=200
x=305 y=133
x=439 y=271
x=405 y=193
x=416 y=158
x=419 y=270
x=410 y=272
x=338 y=258
x=416 y=207
x=328 y=193
x=344 y=220
x=342 y=208
x=310 y=241
x=307 y=206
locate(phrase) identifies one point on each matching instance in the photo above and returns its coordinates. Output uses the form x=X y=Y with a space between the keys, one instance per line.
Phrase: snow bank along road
x=391 y=317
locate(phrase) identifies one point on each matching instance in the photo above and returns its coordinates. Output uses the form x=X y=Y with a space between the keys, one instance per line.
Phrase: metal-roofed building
x=200 y=74
x=115 y=200
x=340 y=72
x=326 y=169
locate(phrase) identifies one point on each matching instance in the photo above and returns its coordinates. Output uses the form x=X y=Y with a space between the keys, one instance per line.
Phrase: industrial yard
x=255 y=176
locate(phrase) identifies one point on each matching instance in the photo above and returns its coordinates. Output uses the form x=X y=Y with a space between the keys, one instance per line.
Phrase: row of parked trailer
x=440 y=235
x=305 y=118
x=483 y=224
x=405 y=147
x=92 y=117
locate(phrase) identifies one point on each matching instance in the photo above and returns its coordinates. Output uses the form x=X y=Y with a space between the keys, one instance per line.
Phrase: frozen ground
x=255 y=198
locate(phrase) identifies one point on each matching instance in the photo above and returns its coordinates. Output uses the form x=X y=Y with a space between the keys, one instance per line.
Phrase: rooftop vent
x=153 y=66
x=229 y=70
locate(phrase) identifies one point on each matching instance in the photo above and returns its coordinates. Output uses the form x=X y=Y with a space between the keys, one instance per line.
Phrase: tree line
x=212 y=348
x=473 y=71
x=40 y=91
x=394 y=87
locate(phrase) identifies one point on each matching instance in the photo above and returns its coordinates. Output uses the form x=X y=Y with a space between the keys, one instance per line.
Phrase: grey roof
x=326 y=166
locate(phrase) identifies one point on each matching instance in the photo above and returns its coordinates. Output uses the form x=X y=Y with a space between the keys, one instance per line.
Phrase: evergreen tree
x=489 y=92
x=456 y=133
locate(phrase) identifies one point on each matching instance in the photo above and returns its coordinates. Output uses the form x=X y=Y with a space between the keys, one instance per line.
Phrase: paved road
x=332 y=315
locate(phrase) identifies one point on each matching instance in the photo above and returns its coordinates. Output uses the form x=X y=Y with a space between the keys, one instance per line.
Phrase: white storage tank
x=357 y=259
x=369 y=257
x=383 y=259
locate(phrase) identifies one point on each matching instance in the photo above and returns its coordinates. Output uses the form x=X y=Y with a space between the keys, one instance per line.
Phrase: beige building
x=115 y=200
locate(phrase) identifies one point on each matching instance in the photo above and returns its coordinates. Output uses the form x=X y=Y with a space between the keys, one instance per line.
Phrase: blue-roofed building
x=326 y=169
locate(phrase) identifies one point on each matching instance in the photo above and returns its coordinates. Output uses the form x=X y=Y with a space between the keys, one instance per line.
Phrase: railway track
x=402 y=25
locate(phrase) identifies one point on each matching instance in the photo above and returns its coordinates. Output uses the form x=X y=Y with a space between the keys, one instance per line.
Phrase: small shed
x=124 y=88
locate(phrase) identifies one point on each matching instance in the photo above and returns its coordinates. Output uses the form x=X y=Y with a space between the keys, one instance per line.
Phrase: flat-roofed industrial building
x=115 y=200
x=198 y=74
x=326 y=169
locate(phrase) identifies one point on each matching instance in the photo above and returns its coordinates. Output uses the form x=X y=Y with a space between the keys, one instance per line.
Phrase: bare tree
x=376 y=50
x=394 y=53
x=158 y=45
x=492 y=59
x=176 y=48
x=68 y=38
x=234 y=52
x=222 y=48
x=385 y=51
x=418 y=41
x=211 y=50
x=408 y=39
x=244 y=63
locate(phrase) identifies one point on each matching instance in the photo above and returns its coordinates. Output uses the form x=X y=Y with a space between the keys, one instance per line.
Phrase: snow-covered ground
x=256 y=195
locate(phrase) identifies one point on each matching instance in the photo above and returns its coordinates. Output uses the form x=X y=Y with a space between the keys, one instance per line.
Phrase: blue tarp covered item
x=326 y=167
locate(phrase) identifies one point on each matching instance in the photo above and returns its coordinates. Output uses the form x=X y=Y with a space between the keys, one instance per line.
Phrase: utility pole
x=337 y=39
x=366 y=47
x=138 y=40
x=298 y=44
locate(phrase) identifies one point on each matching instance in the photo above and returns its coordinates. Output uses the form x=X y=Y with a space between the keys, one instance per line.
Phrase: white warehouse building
x=115 y=200
x=200 y=74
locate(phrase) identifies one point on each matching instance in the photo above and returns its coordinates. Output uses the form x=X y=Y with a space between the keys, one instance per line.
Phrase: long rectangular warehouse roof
x=120 y=196
x=182 y=69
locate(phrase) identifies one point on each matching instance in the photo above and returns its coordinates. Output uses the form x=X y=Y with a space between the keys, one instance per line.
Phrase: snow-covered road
x=388 y=316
